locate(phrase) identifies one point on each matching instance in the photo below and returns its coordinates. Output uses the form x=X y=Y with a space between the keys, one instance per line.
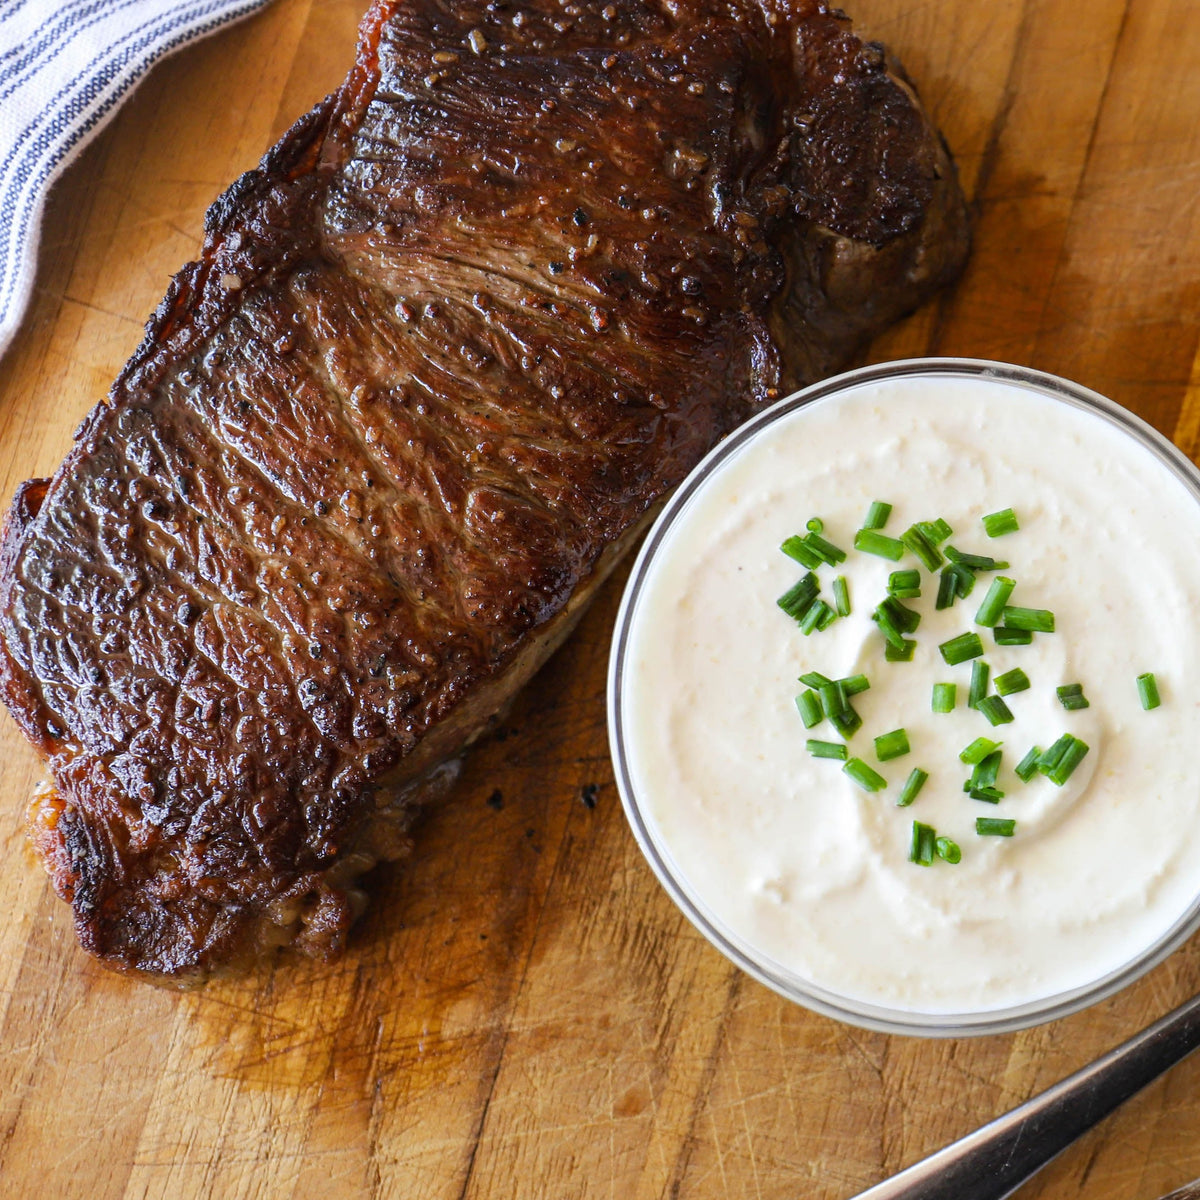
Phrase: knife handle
x=994 y=1161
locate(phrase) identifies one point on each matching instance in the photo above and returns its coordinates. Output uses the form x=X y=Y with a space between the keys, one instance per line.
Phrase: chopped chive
x=841 y=596
x=976 y=562
x=1026 y=769
x=912 y=785
x=866 y=778
x=995 y=826
x=795 y=547
x=924 y=841
x=964 y=579
x=904 y=618
x=853 y=684
x=1039 y=620
x=808 y=705
x=1071 y=696
x=978 y=750
x=986 y=770
x=948 y=850
x=826 y=551
x=891 y=745
x=815 y=525
x=1012 y=681
x=945 y=696
x=989 y=795
x=936 y=531
x=833 y=698
x=877 y=515
x=819 y=749
x=961 y=648
x=828 y=616
x=904 y=585
x=886 y=620
x=814 y=679
x=818 y=610
x=947 y=591
x=847 y=723
x=796 y=600
x=1050 y=758
x=1147 y=687
x=979 y=682
x=871 y=542
x=1012 y=637
x=1071 y=756
x=901 y=653
x=995 y=600
x=998 y=523
x=996 y=711
x=928 y=554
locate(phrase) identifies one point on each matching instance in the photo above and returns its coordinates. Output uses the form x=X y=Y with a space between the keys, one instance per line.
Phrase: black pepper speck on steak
x=441 y=355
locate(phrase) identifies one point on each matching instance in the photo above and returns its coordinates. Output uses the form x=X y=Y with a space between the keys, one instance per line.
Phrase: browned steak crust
x=467 y=322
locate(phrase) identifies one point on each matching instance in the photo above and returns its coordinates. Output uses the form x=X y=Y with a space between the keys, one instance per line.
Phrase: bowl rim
x=866 y=1015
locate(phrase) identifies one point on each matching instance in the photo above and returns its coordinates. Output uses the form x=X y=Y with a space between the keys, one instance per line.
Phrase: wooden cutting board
x=523 y=1012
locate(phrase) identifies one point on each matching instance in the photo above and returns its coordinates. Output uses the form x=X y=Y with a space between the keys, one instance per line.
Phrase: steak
x=442 y=354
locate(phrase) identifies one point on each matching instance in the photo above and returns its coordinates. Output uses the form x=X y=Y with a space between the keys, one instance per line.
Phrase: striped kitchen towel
x=65 y=66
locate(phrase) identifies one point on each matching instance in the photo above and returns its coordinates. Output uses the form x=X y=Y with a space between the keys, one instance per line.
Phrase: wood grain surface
x=523 y=1012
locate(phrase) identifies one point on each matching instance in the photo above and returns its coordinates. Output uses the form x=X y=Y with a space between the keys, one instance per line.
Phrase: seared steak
x=441 y=354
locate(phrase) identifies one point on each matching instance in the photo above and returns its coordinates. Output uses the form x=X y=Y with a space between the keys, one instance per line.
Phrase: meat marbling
x=441 y=355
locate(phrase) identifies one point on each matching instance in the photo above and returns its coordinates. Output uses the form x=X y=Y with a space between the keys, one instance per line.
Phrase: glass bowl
x=876 y=1016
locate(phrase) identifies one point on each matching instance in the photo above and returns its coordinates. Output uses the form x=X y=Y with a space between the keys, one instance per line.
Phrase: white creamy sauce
x=785 y=851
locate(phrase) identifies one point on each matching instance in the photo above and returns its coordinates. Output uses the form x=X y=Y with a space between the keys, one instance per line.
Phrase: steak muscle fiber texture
x=441 y=355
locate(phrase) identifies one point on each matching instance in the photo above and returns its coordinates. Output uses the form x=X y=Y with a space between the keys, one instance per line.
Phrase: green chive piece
x=871 y=542
x=1012 y=637
x=947 y=589
x=1147 y=687
x=912 y=785
x=815 y=525
x=1066 y=762
x=961 y=648
x=928 y=554
x=847 y=723
x=1039 y=620
x=904 y=585
x=924 y=841
x=1050 y=758
x=877 y=515
x=853 y=684
x=841 y=596
x=1012 y=681
x=996 y=711
x=986 y=770
x=826 y=551
x=989 y=795
x=995 y=600
x=979 y=682
x=891 y=745
x=814 y=679
x=978 y=750
x=945 y=696
x=902 y=653
x=948 y=850
x=795 y=547
x=904 y=618
x=999 y=523
x=936 y=531
x=995 y=826
x=808 y=705
x=811 y=621
x=866 y=778
x=819 y=749
x=1026 y=769
x=976 y=562
x=1071 y=696
x=796 y=600
x=964 y=579
x=833 y=699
